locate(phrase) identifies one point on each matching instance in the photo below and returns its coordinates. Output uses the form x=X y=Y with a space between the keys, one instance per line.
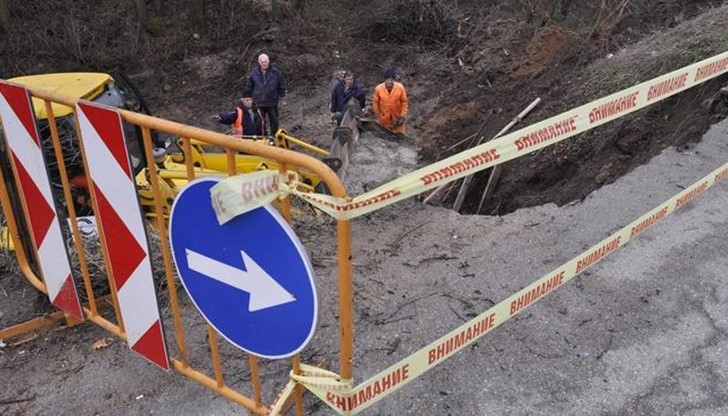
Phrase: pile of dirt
x=545 y=50
x=576 y=167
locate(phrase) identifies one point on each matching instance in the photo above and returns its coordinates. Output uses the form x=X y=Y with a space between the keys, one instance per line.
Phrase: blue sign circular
x=250 y=278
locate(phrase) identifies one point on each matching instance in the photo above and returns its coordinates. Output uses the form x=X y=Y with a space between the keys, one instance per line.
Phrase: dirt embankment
x=575 y=168
x=465 y=64
x=566 y=65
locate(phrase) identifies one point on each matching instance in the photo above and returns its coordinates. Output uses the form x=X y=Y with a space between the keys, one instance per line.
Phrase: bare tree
x=4 y=16
x=197 y=17
x=158 y=4
x=141 y=6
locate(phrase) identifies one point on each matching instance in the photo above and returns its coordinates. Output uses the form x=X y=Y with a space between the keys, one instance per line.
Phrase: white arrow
x=264 y=291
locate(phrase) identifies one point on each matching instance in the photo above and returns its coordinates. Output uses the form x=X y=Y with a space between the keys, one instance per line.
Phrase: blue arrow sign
x=251 y=278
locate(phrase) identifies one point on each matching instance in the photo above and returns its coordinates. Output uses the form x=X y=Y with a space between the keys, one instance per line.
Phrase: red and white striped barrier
x=21 y=135
x=117 y=211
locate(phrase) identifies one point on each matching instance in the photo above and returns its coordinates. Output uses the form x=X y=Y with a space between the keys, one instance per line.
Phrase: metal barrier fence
x=92 y=309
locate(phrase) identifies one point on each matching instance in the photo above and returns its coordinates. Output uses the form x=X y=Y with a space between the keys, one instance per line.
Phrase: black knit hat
x=390 y=73
x=247 y=94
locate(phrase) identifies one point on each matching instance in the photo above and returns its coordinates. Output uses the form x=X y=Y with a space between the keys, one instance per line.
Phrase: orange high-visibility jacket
x=238 y=124
x=239 y=131
x=390 y=105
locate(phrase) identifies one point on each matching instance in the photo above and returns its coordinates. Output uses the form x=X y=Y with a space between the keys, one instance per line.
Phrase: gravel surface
x=643 y=332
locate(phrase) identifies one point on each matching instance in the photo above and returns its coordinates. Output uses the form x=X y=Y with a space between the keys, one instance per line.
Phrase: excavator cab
x=113 y=89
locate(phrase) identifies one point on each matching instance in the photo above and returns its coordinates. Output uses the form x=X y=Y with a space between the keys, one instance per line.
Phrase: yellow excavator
x=116 y=90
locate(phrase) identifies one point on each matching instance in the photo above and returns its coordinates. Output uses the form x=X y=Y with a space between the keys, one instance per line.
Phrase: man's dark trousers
x=271 y=113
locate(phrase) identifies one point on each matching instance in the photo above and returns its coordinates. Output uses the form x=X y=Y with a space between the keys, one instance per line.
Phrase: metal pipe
x=255 y=378
x=215 y=352
x=12 y=225
x=164 y=241
x=187 y=149
x=303 y=144
x=346 y=300
x=224 y=391
x=32 y=325
x=100 y=230
x=71 y=208
x=298 y=392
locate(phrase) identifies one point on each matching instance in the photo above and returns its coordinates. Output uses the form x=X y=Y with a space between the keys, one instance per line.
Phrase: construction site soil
x=469 y=68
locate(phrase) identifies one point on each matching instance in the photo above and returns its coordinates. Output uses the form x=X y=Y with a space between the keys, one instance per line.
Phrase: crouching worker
x=345 y=90
x=245 y=119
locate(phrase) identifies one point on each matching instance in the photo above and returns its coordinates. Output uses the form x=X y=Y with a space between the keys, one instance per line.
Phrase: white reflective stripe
x=54 y=260
x=138 y=302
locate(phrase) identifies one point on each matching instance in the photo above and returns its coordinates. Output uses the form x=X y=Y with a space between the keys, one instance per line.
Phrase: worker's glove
x=216 y=117
x=335 y=118
x=398 y=122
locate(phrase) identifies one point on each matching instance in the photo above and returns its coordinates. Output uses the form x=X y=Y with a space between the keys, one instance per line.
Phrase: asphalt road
x=641 y=333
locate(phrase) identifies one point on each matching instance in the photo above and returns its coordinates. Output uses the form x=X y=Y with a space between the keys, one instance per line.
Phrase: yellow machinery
x=208 y=161
x=116 y=90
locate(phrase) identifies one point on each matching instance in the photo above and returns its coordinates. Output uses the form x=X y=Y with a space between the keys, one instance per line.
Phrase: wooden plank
x=468 y=179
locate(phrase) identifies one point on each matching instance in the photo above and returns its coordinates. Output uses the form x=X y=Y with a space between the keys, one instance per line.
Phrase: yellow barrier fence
x=93 y=309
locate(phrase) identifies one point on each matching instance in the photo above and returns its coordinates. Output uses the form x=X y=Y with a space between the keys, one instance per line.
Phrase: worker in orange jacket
x=390 y=103
x=246 y=119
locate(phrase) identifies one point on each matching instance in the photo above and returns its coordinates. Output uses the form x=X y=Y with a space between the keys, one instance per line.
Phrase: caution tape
x=320 y=378
x=529 y=139
x=250 y=191
x=310 y=376
x=348 y=401
x=278 y=406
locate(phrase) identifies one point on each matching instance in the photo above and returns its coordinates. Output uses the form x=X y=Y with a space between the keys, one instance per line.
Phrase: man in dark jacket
x=345 y=90
x=268 y=85
x=245 y=119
